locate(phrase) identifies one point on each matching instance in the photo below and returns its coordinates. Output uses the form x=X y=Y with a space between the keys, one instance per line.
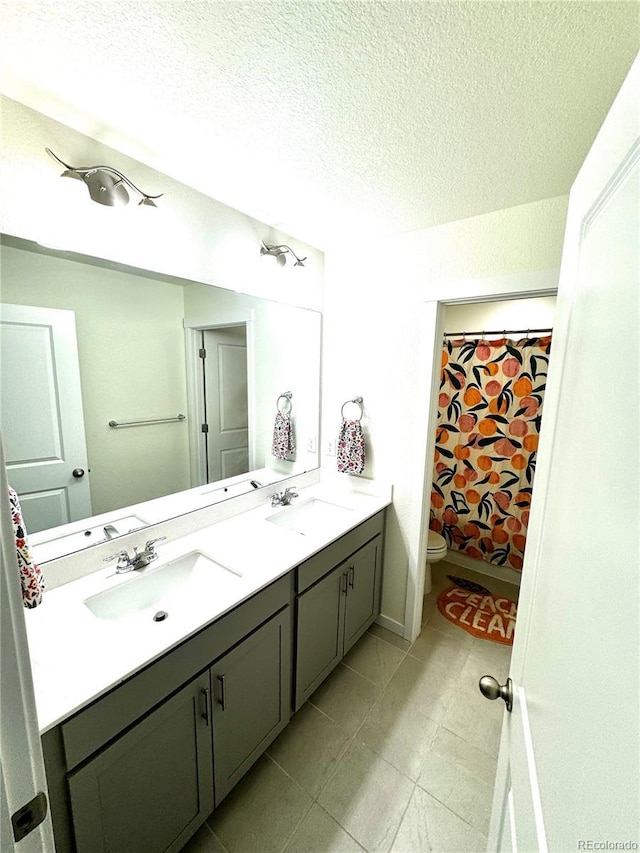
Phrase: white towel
x=31 y=577
x=351 y=450
x=283 y=438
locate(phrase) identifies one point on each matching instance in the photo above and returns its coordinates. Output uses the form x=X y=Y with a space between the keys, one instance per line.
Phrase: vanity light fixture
x=106 y=185
x=280 y=254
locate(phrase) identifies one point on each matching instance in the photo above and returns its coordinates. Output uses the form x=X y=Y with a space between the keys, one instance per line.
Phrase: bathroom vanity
x=160 y=719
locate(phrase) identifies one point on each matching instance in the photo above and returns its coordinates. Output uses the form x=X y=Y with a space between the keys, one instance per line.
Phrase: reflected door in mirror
x=41 y=415
x=226 y=406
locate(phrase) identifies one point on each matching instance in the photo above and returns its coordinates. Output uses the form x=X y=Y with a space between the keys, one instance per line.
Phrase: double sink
x=158 y=590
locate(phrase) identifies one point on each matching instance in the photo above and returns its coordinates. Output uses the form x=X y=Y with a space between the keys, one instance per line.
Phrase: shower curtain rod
x=498 y=332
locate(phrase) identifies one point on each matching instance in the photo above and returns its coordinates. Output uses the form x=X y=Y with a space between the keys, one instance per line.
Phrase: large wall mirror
x=129 y=397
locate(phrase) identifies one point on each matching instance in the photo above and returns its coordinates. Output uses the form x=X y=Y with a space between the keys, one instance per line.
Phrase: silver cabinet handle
x=221 y=700
x=204 y=693
x=490 y=689
x=351 y=576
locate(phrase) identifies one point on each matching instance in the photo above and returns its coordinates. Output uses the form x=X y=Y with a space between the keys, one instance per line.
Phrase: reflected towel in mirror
x=31 y=577
x=283 y=437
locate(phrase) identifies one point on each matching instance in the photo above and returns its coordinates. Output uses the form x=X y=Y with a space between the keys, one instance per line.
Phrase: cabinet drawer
x=109 y=715
x=317 y=566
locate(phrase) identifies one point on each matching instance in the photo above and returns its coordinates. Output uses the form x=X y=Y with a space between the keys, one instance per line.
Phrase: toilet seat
x=436 y=547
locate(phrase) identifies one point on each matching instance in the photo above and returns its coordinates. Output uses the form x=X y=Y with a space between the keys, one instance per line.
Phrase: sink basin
x=314 y=515
x=174 y=584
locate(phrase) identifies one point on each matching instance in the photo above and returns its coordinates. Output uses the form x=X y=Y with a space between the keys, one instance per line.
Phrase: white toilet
x=436 y=550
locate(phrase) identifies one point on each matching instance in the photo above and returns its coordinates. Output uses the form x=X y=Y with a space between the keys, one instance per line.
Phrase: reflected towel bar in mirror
x=115 y=424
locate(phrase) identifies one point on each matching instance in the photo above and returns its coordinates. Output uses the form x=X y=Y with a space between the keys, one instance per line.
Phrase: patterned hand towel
x=283 y=438
x=31 y=577
x=350 y=448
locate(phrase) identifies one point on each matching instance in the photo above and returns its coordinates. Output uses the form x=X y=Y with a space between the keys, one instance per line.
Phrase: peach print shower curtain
x=489 y=412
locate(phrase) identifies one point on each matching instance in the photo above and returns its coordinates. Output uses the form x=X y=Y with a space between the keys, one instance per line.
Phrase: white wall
x=189 y=235
x=375 y=306
x=511 y=314
x=132 y=365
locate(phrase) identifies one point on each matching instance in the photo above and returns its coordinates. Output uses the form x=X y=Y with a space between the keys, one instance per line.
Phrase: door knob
x=490 y=689
x=78 y=473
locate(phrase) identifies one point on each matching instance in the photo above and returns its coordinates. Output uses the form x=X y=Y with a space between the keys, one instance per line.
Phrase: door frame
x=22 y=773
x=525 y=285
x=195 y=396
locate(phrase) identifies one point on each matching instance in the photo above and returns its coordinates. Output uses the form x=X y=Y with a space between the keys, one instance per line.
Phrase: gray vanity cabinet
x=152 y=787
x=336 y=603
x=139 y=769
x=251 y=701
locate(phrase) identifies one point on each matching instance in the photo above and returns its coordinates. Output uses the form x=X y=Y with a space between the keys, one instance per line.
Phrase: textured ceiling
x=332 y=120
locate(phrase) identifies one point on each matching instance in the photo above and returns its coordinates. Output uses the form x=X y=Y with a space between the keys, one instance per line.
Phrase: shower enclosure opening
x=489 y=412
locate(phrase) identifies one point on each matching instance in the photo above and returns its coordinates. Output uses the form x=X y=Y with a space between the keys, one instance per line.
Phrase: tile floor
x=396 y=751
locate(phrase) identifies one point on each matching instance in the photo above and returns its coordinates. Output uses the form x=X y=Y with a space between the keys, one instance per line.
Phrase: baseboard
x=390 y=624
x=501 y=573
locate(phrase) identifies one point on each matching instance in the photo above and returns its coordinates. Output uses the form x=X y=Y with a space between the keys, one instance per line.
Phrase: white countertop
x=77 y=656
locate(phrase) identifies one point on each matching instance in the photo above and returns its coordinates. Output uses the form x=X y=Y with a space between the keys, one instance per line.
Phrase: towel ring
x=287 y=396
x=358 y=402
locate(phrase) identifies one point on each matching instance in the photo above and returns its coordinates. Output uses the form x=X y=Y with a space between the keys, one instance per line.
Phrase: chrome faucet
x=110 y=532
x=283 y=498
x=138 y=560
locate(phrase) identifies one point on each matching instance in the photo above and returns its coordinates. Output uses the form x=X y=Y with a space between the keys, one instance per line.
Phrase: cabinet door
x=251 y=686
x=363 y=591
x=320 y=629
x=152 y=788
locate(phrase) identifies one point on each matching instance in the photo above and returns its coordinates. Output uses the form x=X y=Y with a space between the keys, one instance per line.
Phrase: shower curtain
x=489 y=413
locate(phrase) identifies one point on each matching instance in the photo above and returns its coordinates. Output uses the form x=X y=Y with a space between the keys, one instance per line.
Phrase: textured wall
x=374 y=346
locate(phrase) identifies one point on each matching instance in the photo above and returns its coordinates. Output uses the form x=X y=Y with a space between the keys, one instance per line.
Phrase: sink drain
x=160 y=616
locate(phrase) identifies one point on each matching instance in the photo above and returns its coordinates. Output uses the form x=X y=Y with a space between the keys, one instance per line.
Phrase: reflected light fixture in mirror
x=106 y=185
x=280 y=254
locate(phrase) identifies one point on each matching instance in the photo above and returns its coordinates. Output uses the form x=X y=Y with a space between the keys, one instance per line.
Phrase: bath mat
x=482 y=614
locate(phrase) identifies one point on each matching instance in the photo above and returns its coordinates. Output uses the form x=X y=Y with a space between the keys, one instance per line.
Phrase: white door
x=41 y=415
x=225 y=370
x=569 y=766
